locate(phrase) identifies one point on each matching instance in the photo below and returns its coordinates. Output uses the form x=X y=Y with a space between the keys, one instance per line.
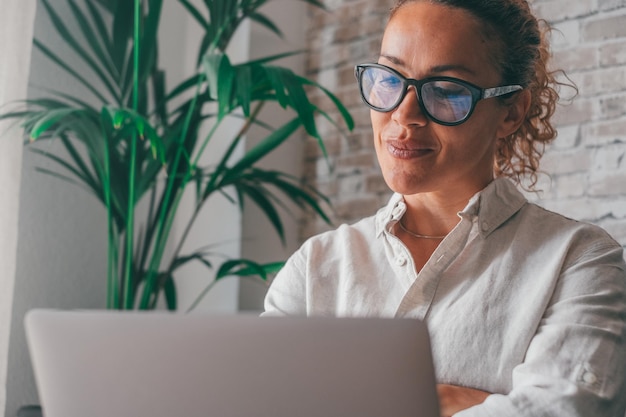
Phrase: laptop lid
x=157 y=364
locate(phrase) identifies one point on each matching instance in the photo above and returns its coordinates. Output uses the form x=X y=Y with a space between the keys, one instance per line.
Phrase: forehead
x=422 y=38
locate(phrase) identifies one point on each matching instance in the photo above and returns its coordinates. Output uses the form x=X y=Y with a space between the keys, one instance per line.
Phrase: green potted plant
x=142 y=141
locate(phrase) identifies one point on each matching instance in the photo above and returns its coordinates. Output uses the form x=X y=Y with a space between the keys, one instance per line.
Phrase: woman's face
x=416 y=154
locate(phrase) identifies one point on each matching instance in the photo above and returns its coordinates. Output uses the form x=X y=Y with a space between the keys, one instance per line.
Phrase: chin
x=406 y=184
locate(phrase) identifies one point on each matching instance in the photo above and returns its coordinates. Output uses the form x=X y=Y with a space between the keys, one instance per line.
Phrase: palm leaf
x=50 y=119
x=276 y=57
x=136 y=123
x=285 y=81
x=345 y=114
x=267 y=23
x=246 y=267
x=67 y=36
x=195 y=13
x=316 y=3
x=99 y=47
x=71 y=100
x=149 y=44
x=109 y=5
x=302 y=196
x=240 y=268
x=54 y=58
x=67 y=166
x=243 y=87
x=265 y=146
x=65 y=178
x=86 y=176
x=101 y=29
x=160 y=102
x=169 y=290
x=123 y=15
x=185 y=85
x=259 y=196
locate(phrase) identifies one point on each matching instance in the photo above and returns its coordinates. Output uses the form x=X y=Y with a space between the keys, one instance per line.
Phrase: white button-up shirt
x=519 y=301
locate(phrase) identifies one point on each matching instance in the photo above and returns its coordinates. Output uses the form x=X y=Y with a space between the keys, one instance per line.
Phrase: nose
x=409 y=111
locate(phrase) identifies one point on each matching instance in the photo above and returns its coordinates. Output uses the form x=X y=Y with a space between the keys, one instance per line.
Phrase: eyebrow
x=438 y=69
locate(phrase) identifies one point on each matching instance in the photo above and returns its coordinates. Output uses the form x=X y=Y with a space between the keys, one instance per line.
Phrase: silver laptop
x=151 y=364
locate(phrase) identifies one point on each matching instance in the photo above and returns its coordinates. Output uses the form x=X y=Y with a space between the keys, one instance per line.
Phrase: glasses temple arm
x=500 y=91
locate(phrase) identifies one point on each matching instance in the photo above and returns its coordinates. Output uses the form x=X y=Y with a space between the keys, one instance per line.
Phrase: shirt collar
x=387 y=216
x=492 y=206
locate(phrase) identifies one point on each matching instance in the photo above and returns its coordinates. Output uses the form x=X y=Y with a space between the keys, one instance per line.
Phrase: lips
x=407 y=149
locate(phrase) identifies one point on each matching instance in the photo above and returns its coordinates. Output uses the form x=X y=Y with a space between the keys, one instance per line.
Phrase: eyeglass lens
x=444 y=101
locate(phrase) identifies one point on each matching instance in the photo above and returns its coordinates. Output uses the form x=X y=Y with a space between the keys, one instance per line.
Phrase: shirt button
x=485 y=226
x=590 y=378
x=400 y=260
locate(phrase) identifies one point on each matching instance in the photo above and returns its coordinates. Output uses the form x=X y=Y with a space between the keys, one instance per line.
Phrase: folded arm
x=575 y=365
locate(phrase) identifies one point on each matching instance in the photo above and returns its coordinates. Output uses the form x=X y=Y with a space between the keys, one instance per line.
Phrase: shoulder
x=540 y=218
x=531 y=228
x=574 y=242
x=503 y=199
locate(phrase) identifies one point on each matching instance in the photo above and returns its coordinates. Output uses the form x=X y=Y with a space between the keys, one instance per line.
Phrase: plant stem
x=113 y=293
x=130 y=218
x=166 y=217
x=201 y=296
x=206 y=194
x=222 y=165
x=165 y=225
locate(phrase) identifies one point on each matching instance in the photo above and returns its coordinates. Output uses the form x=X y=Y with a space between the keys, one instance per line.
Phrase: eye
x=389 y=82
x=445 y=91
x=449 y=91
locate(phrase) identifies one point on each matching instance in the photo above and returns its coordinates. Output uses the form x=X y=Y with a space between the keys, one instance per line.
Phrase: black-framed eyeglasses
x=445 y=100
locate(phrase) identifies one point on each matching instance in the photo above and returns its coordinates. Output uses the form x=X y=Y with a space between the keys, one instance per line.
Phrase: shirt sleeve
x=575 y=365
x=287 y=293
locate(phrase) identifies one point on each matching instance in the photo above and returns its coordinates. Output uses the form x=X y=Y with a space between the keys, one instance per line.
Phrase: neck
x=434 y=213
x=417 y=235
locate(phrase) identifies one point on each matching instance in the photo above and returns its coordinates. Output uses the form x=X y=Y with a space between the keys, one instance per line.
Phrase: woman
x=526 y=308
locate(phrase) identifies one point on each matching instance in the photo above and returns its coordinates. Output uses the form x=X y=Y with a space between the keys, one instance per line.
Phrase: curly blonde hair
x=521 y=53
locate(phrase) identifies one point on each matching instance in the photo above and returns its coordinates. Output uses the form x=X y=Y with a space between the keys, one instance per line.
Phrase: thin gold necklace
x=417 y=235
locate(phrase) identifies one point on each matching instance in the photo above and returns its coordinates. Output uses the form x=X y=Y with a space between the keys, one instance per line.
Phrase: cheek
x=379 y=121
x=475 y=146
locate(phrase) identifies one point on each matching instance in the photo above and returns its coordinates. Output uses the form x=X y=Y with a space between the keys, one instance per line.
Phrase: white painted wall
x=259 y=241
x=61 y=256
x=16 y=27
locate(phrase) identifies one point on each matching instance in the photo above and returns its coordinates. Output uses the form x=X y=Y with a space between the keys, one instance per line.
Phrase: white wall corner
x=16 y=30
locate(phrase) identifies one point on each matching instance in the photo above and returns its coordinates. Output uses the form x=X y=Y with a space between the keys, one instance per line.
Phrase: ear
x=515 y=112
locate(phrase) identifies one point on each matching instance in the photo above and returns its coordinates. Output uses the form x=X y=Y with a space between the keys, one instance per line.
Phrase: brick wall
x=586 y=162
x=586 y=166
x=349 y=34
